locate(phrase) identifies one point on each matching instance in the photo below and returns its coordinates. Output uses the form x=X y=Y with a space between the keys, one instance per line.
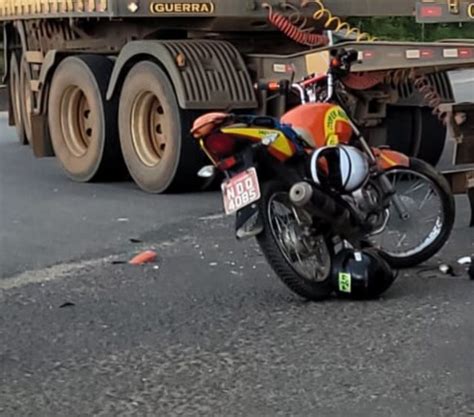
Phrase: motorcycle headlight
x=342 y=168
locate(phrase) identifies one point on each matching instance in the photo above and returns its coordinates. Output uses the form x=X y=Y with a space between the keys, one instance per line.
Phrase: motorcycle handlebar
x=350 y=57
x=340 y=63
x=344 y=59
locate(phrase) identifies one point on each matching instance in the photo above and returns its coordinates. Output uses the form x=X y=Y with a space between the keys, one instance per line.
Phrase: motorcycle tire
x=448 y=207
x=314 y=290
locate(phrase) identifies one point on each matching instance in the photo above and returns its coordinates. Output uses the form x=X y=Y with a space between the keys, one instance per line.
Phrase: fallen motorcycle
x=309 y=184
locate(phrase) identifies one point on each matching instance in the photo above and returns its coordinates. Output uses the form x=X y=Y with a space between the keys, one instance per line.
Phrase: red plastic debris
x=144 y=258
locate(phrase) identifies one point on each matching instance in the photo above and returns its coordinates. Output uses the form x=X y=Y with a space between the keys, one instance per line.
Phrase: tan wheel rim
x=16 y=97
x=77 y=121
x=147 y=129
x=28 y=103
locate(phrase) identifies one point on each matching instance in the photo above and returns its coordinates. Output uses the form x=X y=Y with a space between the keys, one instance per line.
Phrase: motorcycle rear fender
x=388 y=159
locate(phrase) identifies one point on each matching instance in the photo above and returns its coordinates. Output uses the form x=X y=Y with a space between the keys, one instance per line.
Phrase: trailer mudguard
x=206 y=74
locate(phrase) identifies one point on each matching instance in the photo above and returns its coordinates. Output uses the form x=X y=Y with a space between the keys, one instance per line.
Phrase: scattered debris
x=465 y=261
x=457 y=270
x=66 y=305
x=446 y=269
x=453 y=271
x=144 y=258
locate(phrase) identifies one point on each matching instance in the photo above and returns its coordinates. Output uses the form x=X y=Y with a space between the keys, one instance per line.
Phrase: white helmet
x=342 y=168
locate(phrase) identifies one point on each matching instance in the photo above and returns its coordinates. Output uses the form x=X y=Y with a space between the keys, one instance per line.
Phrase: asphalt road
x=208 y=330
x=47 y=219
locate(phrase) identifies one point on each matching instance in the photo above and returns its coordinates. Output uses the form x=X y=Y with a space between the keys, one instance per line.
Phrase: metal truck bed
x=27 y=9
x=375 y=56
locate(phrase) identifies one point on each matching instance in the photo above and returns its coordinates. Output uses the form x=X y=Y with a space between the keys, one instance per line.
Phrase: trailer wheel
x=400 y=130
x=15 y=97
x=433 y=137
x=154 y=132
x=26 y=102
x=416 y=132
x=82 y=123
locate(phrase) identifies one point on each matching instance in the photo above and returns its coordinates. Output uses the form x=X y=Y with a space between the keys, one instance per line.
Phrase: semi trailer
x=111 y=87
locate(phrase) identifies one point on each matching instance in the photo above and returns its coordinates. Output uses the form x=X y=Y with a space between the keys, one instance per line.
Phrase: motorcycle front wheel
x=300 y=258
x=430 y=208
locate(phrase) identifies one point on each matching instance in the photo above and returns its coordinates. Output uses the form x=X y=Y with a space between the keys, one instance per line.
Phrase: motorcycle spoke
x=431 y=220
x=417 y=186
x=401 y=240
x=428 y=195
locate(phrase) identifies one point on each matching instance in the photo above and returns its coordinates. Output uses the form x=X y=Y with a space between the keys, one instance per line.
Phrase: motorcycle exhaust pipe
x=301 y=194
x=321 y=205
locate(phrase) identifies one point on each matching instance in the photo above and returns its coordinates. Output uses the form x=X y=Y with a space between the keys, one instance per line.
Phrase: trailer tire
x=86 y=146
x=15 y=97
x=159 y=152
x=400 y=129
x=433 y=137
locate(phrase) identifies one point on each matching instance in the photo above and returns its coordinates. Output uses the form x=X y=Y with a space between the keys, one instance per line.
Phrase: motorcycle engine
x=367 y=201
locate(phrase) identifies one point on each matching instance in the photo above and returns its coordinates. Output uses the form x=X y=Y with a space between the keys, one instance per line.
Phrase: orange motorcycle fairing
x=320 y=124
x=387 y=159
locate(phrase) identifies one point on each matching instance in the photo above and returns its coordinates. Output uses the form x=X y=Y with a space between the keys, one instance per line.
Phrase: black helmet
x=361 y=274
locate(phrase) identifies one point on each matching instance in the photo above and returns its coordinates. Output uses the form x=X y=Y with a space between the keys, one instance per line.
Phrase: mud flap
x=11 y=117
x=41 y=141
x=470 y=194
x=248 y=222
x=463 y=183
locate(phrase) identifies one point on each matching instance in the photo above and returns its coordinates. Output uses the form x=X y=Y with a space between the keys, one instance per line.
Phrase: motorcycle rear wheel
x=303 y=266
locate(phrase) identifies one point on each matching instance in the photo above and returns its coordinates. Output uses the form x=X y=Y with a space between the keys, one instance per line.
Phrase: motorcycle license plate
x=241 y=191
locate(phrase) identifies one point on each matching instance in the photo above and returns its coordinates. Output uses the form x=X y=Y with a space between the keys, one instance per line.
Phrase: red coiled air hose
x=284 y=25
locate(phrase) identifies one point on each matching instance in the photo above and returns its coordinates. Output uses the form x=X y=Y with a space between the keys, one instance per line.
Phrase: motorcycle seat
x=208 y=122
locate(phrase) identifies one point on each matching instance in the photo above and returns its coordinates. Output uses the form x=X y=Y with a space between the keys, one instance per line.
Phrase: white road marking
x=53 y=273
x=217 y=216
x=63 y=271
